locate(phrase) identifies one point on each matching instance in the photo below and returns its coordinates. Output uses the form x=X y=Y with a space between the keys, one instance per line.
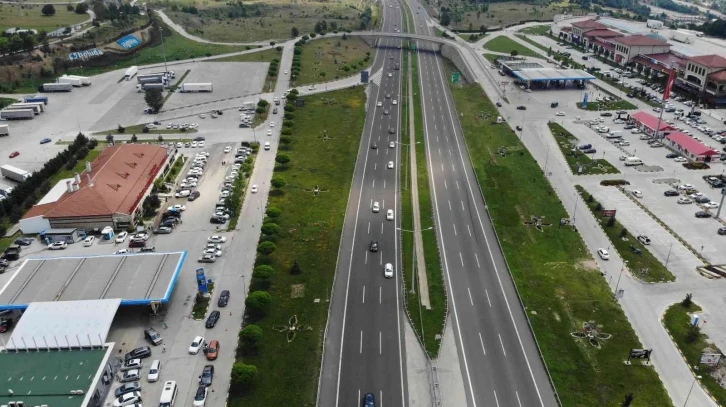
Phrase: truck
x=36 y=110
x=195 y=87
x=131 y=72
x=654 y=24
x=155 y=76
x=55 y=87
x=39 y=105
x=153 y=79
x=14 y=173
x=85 y=81
x=247 y=106
x=35 y=99
x=276 y=100
x=682 y=37
x=20 y=114
x=143 y=87
x=73 y=81
x=4 y=130
x=633 y=161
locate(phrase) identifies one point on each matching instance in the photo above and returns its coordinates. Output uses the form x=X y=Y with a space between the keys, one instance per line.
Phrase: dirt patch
x=492 y=156
x=587 y=265
x=525 y=219
x=297 y=290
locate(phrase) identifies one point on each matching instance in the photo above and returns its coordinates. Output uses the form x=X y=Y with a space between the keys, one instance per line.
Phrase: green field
x=643 y=266
x=312 y=225
x=677 y=322
x=537 y=29
x=534 y=43
x=559 y=283
x=616 y=105
x=29 y=16
x=507 y=45
x=575 y=157
x=470 y=16
x=326 y=59
x=266 y=55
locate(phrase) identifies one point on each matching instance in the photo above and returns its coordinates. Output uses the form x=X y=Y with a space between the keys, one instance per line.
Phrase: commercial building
x=705 y=75
x=579 y=28
x=690 y=148
x=110 y=192
x=649 y=123
x=630 y=46
x=70 y=235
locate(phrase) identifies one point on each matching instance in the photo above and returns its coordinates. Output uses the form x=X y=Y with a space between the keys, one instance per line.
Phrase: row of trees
x=27 y=193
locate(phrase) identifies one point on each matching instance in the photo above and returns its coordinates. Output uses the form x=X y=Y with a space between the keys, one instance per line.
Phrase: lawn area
x=138 y=129
x=312 y=225
x=575 y=157
x=491 y=57
x=643 y=266
x=691 y=343
x=507 y=45
x=427 y=322
x=558 y=282
x=266 y=55
x=29 y=16
x=79 y=168
x=7 y=101
x=534 y=43
x=327 y=59
x=470 y=16
x=537 y=29
x=616 y=105
x=474 y=37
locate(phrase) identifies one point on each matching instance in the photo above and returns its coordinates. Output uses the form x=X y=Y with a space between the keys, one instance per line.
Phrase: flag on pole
x=669 y=85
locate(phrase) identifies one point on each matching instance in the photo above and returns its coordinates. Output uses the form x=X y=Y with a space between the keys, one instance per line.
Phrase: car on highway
x=391 y=130
x=127 y=399
x=374 y=246
x=223 y=299
x=374 y=146
x=385 y=111
x=216 y=239
x=127 y=388
x=390 y=75
x=603 y=254
x=392 y=144
x=644 y=239
x=200 y=397
x=394 y=102
x=138 y=353
x=376 y=207
x=212 y=319
x=388 y=95
x=196 y=345
x=17 y=153
x=703 y=214
x=253 y=189
x=388 y=270
x=58 y=246
x=390 y=164
x=45 y=140
x=212 y=350
x=369 y=400
x=379 y=104
x=389 y=214
x=207 y=375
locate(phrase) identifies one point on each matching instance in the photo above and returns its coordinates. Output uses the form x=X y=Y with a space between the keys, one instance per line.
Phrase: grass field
x=643 y=266
x=266 y=55
x=471 y=16
x=559 y=283
x=507 y=45
x=312 y=228
x=537 y=29
x=575 y=157
x=616 y=105
x=677 y=322
x=534 y=43
x=491 y=57
x=29 y=16
x=326 y=59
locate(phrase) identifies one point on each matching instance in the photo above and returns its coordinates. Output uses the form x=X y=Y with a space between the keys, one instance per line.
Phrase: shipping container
x=32 y=99
x=56 y=87
x=85 y=81
x=21 y=114
x=40 y=105
x=73 y=81
x=4 y=130
x=195 y=87
x=14 y=173
x=131 y=72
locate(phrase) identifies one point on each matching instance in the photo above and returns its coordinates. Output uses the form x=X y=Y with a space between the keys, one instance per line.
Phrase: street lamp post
x=689 y=391
x=163 y=48
x=574 y=213
x=617 y=285
x=669 y=255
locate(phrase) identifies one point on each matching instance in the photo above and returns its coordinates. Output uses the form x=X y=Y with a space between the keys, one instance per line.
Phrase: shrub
x=270 y=229
x=262 y=103
x=273 y=212
x=266 y=248
x=250 y=336
x=258 y=302
x=263 y=272
x=688 y=301
x=295 y=269
x=243 y=376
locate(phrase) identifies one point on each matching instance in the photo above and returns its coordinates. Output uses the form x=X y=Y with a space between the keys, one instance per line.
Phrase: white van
x=154 y=371
x=267 y=145
x=615 y=134
x=632 y=161
x=168 y=395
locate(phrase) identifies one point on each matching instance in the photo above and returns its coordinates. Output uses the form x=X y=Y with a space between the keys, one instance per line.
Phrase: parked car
x=703 y=214
x=671 y=192
x=24 y=241
x=223 y=298
x=207 y=375
x=121 y=237
x=163 y=230
x=212 y=319
x=152 y=336
x=200 y=397
x=196 y=345
x=58 y=246
x=213 y=350
x=138 y=353
x=127 y=388
x=5 y=324
x=131 y=364
x=127 y=399
x=130 y=376
x=644 y=239
x=603 y=254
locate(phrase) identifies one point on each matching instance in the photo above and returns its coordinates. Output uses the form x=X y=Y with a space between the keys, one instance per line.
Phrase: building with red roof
x=705 y=76
x=690 y=148
x=628 y=47
x=592 y=35
x=109 y=192
x=579 y=28
x=648 y=123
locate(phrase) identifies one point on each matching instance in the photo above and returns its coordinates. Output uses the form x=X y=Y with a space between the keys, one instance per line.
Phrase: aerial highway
x=364 y=350
x=499 y=360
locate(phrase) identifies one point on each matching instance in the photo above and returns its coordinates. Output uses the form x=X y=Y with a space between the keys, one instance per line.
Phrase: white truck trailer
x=654 y=24
x=195 y=87
x=85 y=81
x=143 y=87
x=36 y=109
x=131 y=72
x=56 y=87
x=40 y=105
x=683 y=37
x=73 y=81
x=4 y=130
x=20 y=114
x=14 y=173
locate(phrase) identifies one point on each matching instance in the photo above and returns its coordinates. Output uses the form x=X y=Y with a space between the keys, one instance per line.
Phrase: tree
x=263 y=273
x=514 y=52
x=628 y=400
x=250 y=336
x=154 y=99
x=623 y=233
x=295 y=270
x=688 y=301
x=278 y=182
x=134 y=138
x=611 y=221
x=598 y=207
x=160 y=138
x=273 y=212
x=69 y=7
x=693 y=333
x=48 y=10
x=266 y=248
x=243 y=376
x=81 y=8
x=282 y=159
x=294 y=32
x=258 y=302
x=270 y=228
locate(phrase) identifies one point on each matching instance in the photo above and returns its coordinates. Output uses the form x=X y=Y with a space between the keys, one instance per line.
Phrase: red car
x=14 y=154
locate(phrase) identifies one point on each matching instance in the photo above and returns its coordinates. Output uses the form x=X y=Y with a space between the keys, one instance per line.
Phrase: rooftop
x=136 y=279
x=118 y=177
x=549 y=74
x=55 y=193
x=719 y=76
x=651 y=122
x=691 y=145
x=48 y=377
x=604 y=33
x=710 y=61
x=589 y=24
x=661 y=62
x=640 y=40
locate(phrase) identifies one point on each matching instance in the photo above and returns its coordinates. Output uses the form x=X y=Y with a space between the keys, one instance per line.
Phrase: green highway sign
x=455 y=77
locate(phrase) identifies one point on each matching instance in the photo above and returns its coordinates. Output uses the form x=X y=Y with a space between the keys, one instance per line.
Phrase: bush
x=289 y=108
x=250 y=336
x=289 y=116
x=260 y=110
x=270 y=229
x=258 y=302
x=614 y=182
x=688 y=301
x=295 y=269
x=243 y=376
x=262 y=103
x=273 y=212
x=263 y=273
x=288 y=123
x=286 y=132
x=266 y=248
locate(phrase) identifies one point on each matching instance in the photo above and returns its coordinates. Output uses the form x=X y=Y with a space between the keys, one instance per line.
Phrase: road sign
x=710 y=358
x=608 y=212
x=455 y=77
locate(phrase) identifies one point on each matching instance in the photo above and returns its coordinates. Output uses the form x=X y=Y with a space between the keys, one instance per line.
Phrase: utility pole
x=163 y=48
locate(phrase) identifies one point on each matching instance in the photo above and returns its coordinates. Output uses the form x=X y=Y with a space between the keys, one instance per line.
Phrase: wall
x=451 y=53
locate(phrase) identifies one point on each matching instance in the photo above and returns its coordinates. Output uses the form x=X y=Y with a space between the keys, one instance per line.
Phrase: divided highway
x=498 y=357
x=364 y=348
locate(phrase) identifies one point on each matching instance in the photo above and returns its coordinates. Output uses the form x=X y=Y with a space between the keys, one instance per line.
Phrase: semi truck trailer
x=4 y=130
x=55 y=87
x=14 y=173
x=158 y=77
x=20 y=114
x=35 y=108
x=40 y=105
x=35 y=99
x=153 y=79
x=131 y=72
x=195 y=87
x=143 y=87
x=73 y=81
x=85 y=81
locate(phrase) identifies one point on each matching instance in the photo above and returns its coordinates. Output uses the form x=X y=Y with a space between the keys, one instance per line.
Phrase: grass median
x=558 y=282
x=691 y=342
x=534 y=44
x=507 y=45
x=310 y=226
x=644 y=266
x=575 y=157
x=327 y=59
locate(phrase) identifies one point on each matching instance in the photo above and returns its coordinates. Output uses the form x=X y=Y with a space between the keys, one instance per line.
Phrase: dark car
x=148 y=249
x=163 y=230
x=671 y=192
x=193 y=196
x=137 y=243
x=138 y=353
x=521 y=107
x=606 y=114
x=369 y=400
x=519 y=128
x=45 y=141
x=5 y=324
x=207 y=375
x=212 y=319
x=702 y=199
x=630 y=95
x=703 y=214
x=169 y=223
x=127 y=388
x=391 y=130
x=554 y=104
x=199 y=138
x=673 y=155
x=374 y=246
x=590 y=151
x=217 y=219
x=24 y=241
x=585 y=146
x=721 y=231
x=152 y=336
x=499 y=104
x=223 y=298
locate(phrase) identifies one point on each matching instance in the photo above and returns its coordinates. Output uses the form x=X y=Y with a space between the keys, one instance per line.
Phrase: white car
x=394 y=102
x=196 y=345
x=285 y=71
x=169 y=126
x=201 y=144
x=272 y=124
x=389 y=214
x=269 y=132
x=391 y=144
x=141 y=236
x=686 y=186
x=193 y=126
x=624 y=143
x=379 y=104
x=200 y=397
x=227 y=149
x=127 y=399
x=216 y=253
x=202 y=115
x=388 y=270
x=132 y=364
x=636 y=193
x=122 y=251
x=376 y=207
x=194 y=144
x=58 y=246
x=711 y=205
x=253 y=189
x=390 y=75
x=680 y=159
x=177 y=207
x=88 y=241
x=216 y=239
x=153 y=375
x=390 y=164
x=683 y=200
x=121 y=237
x=635 y=131
x=603 y=254
x=560 y=114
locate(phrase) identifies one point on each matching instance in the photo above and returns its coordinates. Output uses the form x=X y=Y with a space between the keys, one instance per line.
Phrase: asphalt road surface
x=499 y=360
x=364 y=350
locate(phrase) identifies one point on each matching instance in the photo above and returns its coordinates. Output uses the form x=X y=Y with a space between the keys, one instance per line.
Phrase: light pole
x=547 y=159
x=689 y=391
x=669 y=255
x=163 y=48
x=621 y=274
x=574 y=213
